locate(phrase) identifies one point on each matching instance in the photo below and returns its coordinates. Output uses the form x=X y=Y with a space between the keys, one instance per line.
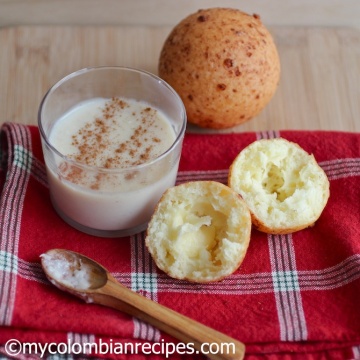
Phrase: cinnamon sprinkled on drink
x=95 y=137
x=119 y=134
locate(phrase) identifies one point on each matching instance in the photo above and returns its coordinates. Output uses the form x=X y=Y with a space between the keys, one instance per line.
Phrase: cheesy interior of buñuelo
x=200 y=231
x=280 y=182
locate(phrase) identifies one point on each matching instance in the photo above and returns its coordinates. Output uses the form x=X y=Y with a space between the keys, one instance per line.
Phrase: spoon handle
x=117 y=296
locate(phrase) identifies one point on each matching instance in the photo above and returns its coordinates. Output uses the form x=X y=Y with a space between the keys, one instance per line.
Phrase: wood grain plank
x=319 y=87
x=170 y=12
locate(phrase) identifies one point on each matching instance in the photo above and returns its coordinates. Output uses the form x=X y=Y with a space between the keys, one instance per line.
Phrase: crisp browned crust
x=260 y=226
x=224 y=65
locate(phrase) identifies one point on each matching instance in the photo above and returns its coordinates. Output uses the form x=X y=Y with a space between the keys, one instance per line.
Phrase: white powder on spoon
x=72 y=273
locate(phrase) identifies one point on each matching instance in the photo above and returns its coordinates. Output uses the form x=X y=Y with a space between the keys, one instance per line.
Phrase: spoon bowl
x=73 y=271
x=85 y=278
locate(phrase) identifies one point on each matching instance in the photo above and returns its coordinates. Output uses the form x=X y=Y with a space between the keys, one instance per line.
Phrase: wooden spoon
x=85 y=278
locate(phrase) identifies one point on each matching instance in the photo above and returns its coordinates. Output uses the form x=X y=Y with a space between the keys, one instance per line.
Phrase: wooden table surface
x=319 y=87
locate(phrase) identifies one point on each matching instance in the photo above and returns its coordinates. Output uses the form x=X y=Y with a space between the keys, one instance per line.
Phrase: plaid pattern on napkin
x=295 y=296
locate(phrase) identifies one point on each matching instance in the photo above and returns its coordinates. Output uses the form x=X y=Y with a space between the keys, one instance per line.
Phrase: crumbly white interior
x=200 y=232
x=281 y=183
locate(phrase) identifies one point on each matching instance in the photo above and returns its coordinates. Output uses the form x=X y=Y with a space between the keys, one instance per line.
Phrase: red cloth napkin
x=295 y=296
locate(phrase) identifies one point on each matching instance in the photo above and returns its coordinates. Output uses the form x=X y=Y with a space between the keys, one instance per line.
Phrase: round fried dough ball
x=284 y=187
x=224 y=65
x=200 y=231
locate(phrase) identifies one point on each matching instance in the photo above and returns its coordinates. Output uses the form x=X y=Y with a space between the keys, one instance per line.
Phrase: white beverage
x=121 y=137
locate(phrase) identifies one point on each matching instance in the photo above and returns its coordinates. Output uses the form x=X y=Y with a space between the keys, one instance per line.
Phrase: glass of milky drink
x=112 y=139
